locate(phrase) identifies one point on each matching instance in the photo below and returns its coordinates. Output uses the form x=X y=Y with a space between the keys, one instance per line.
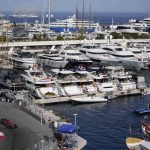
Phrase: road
x=29 y=131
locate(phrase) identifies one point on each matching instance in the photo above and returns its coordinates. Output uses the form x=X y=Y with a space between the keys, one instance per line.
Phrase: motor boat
x=75 y=57
x=21 y=59
x=143 y=110
x=88 y=99
x=39 y=84
x=95 y=53
x=51 y=58
x=67 y=83
x=126 y=58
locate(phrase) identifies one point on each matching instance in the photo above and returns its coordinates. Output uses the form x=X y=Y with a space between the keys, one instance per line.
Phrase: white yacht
x=21 y=59
x=105 y=84
x=72 y=24
x=125 y=83
x=74 y=56
x=95 y=53
x=141 y=55
x=86 y=82
x=51 y=58
x=11 y=80
x=126 y=58
x=39 y=84
x=67 y=83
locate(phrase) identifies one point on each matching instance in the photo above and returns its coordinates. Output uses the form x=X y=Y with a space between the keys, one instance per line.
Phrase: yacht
x=125 y=83
x=51 y=58
x=67 y=83
x=21 y=59
x=72 y=24
x=123 y=80
x=11 y=80
x=95 y=53
x=105 y=84
x=86 y=82
x=127 y=28
x=126 y=58
x=75 y=57
x=39 y=84
x=141 y=55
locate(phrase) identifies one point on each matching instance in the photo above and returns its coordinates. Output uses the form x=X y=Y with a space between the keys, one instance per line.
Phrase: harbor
x=76 y=79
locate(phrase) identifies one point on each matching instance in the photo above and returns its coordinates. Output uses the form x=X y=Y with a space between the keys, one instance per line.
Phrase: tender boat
x=133 y=143
x=143 y=110
x=88 y=99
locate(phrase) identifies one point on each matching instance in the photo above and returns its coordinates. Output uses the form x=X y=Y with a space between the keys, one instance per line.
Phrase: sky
x=70 y=5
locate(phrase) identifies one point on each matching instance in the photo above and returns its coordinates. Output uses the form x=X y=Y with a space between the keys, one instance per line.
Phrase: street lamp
x=75 y=119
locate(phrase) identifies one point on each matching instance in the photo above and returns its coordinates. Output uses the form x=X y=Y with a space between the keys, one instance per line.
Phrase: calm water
x=106 y=125
x=102 y=18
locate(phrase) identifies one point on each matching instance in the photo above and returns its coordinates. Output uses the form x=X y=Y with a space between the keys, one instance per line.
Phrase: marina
x=76 y=80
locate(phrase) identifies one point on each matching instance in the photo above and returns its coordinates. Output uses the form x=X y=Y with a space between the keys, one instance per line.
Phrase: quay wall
x=73 y=42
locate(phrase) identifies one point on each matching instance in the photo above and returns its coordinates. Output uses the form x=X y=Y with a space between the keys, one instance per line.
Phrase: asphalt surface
x=29 y=132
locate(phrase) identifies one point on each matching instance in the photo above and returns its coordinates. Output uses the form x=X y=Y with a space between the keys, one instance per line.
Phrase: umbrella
x=2 y=136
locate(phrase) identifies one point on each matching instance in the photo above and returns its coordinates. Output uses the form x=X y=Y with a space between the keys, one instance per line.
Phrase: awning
x=68 y=128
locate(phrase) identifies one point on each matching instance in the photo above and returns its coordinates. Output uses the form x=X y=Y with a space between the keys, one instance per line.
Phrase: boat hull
x=89 y=99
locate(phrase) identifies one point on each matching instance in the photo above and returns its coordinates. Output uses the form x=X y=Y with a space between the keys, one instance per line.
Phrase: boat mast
x=43 y=13
x=77 y=20
x=49 y=15
x=82 y=21
x=90 y=18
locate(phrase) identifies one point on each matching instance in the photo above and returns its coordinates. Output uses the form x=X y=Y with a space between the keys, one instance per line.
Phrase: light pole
x=75 y=119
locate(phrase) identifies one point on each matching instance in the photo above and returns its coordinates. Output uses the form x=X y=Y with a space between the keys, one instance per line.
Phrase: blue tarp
x=68 y=128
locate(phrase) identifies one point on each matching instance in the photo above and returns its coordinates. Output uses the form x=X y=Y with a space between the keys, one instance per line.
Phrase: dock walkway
x=112 y=96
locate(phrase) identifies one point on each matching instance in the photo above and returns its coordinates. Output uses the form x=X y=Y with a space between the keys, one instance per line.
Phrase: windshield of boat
x=38 y=74
x=91 y=46
x=118 y=49
x=26 y=55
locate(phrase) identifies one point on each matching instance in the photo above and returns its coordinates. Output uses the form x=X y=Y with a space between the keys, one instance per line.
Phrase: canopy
x=68 y=128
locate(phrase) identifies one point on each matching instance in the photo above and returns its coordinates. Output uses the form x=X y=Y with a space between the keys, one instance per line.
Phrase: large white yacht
x=74 y=56
x=39 y=84
x=21 y=59
x=86 y=82
x=67 y=83
x=51 y=58
x=126 y=58
x=95 y=53
x=72 y=24
x=141 y=55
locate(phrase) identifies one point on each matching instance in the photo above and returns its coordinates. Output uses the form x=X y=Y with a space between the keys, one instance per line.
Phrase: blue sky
x=69 y=5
